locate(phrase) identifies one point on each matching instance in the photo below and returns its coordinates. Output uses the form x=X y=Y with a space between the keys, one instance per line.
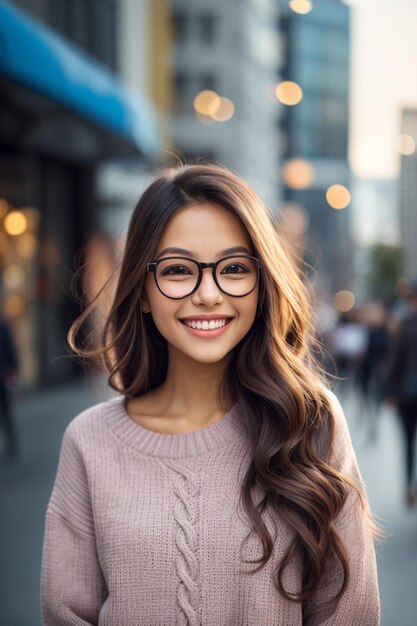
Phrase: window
x=89 y=23
x=182 y=92
x=205 y=81
x=102 y=26
x=187 y=86
x=179 y=23
x=206 y=28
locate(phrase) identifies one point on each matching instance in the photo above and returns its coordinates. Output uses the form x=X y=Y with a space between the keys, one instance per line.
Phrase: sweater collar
x=223 y=432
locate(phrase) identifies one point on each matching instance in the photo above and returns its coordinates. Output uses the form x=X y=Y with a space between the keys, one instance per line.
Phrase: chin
x=207 y=356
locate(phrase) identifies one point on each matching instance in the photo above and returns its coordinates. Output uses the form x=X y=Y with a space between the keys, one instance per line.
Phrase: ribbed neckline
x=226 y=430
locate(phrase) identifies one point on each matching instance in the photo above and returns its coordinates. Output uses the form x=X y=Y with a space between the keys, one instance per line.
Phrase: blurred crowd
x=372 y=349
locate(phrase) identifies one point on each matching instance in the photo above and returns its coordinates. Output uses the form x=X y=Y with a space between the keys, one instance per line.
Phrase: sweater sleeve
x=360 y=603
x=73 y=588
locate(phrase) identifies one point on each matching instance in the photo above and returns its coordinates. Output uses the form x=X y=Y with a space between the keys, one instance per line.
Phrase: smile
x=205 y=328
x=205 y=325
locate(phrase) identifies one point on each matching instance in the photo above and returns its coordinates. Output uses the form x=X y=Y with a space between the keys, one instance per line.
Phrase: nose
x=207 y=292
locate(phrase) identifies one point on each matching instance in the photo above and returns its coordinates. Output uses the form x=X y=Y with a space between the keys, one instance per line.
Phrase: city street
x=277 y=137
x=26 y=486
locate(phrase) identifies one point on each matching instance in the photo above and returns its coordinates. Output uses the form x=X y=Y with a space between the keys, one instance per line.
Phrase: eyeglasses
x=178 y=277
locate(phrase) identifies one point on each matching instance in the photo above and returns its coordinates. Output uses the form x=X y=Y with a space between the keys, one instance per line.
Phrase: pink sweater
x=142 y=529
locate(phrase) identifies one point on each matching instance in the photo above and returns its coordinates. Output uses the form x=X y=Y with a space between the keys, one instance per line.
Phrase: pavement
x=41 y=418
x=382 y=465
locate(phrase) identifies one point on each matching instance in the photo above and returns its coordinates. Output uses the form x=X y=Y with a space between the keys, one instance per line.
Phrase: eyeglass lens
x=178 y=277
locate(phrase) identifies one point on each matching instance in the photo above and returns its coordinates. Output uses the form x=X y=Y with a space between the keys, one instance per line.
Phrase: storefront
x=62 y=115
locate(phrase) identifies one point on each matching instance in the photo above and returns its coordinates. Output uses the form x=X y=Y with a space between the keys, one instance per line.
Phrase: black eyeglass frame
x=152 y=267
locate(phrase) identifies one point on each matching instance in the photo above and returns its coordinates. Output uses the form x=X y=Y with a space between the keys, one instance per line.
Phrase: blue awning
x=35 y=56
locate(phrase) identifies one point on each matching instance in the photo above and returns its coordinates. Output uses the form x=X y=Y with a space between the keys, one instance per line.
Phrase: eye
x=175 y=270
x=234 y=269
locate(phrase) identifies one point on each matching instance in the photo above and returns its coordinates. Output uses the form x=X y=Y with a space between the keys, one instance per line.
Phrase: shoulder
x=88 y=426
x=335 y=407
x=342 y=441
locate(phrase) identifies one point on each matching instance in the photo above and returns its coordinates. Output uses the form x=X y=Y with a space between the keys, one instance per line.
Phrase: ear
x=144 y=304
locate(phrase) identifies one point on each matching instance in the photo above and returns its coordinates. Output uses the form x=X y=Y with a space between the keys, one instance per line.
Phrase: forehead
x=204 y=228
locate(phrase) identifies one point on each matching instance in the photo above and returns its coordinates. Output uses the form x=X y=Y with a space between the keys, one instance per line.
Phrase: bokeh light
x=344 y=300
x=405 y=144
x=338 y=196
x=301 y=6
x=298 y=173
x=289 y=93
x=207 y=102
x=15 y=223
x=14 y=276
x=225 y=111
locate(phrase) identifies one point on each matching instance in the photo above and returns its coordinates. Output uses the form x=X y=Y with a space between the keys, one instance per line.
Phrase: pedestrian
x=372 y=369
x=347 y=343
x=220 y=485
x=8 y=375
x=401 y=387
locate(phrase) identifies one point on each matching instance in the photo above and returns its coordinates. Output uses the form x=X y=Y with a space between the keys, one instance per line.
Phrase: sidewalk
x=381 y=464
x=41 y=418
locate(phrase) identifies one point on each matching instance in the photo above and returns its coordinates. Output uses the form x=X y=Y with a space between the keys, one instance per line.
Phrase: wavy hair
x=273 y=375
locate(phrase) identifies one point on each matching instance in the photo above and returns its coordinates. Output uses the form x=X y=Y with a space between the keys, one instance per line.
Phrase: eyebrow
x=175 y=250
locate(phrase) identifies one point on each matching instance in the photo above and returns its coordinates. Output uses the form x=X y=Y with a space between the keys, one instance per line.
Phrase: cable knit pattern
x=146 y=529
x=186 y=489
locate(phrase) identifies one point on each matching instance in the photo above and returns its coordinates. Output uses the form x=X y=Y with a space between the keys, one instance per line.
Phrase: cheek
x=249 y=307
x=246 y=310
x=160 y=304
x=163 y=314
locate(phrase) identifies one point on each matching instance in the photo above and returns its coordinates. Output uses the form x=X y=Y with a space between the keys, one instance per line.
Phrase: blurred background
x=314 y=103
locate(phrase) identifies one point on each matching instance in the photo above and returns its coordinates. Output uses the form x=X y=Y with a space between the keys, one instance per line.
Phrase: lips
x=205 y=318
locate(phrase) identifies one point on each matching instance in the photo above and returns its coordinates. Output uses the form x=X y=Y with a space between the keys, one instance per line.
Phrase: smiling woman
x=224 y=447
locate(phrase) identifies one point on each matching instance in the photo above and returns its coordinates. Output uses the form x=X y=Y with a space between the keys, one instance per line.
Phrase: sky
x=384 y=79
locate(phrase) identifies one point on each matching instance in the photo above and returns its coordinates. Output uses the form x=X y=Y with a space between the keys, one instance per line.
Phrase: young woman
x=220 y=486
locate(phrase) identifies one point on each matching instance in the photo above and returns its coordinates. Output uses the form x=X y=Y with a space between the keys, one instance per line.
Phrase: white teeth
x=205 y=325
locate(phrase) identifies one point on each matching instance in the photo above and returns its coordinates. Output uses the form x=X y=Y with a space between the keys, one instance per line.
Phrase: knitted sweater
x=144 y=529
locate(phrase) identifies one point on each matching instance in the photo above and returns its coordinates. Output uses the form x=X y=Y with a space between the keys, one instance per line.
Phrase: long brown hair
x=273 y=374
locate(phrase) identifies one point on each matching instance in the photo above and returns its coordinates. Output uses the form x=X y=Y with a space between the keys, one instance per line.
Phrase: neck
x=191 y=387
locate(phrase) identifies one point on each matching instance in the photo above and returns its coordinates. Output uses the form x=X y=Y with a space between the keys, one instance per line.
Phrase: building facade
x=230 y=48
x=408 y=195
x=314 y=132
x=375 y=217
x=62 y=116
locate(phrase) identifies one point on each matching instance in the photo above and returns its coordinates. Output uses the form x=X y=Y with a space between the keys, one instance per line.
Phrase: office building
x=314 y=132
x=229 y=48
x=408 y=194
